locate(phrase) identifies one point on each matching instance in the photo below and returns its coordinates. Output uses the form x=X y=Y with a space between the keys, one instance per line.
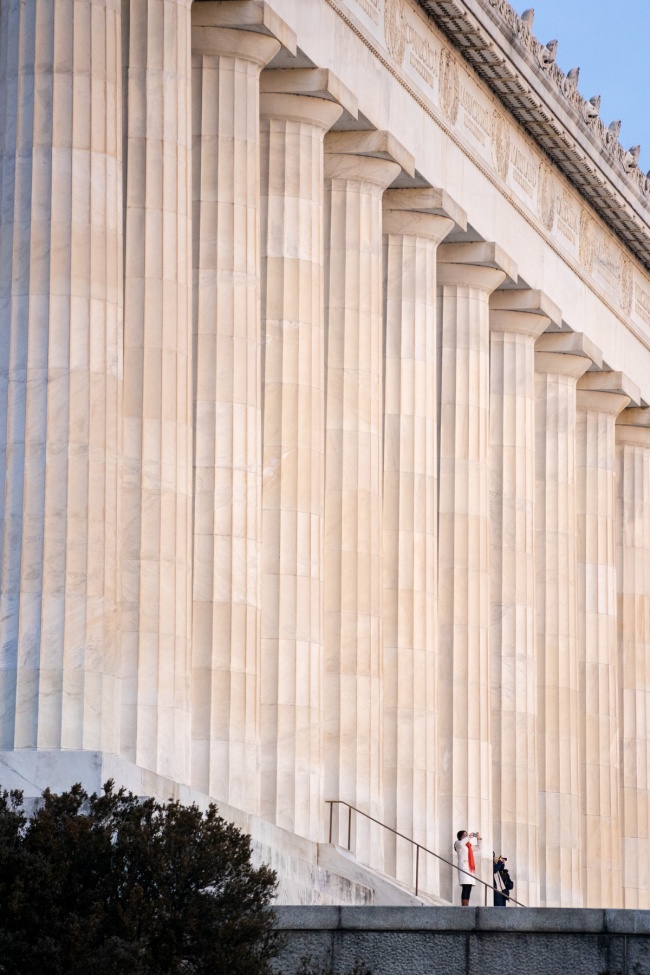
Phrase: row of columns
x=350 y=523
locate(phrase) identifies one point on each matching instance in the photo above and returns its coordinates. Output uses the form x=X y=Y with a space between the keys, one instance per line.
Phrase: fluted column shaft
x=512 y=593
x=410 y=537
x=61 y=307
x=633 y=580
x=157 y=473
x=227 y=403
x=293 y=486
x=463 y=561
x=598 y=651
x=557 y=628
x=353 y=478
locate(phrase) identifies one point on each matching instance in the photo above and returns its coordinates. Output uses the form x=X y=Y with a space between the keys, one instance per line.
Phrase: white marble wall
x=293 y=463
x=410 y=475
x=60 y=371
x=633 y=582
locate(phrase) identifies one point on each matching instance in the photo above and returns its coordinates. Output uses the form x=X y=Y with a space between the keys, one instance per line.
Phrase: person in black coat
x=500 y=891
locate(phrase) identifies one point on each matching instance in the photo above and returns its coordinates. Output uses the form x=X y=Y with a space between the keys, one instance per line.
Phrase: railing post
x=349 y=828
x=331 y=815
x=417 y=868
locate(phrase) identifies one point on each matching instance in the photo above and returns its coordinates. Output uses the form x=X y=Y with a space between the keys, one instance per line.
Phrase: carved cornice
x=502 y=49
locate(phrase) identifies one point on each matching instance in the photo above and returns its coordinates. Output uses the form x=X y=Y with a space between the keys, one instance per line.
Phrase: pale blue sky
x=609 y=40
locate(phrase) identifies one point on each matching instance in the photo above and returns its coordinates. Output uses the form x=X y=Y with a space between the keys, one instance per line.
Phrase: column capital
x=311 y=82
x=566 y=354
x=372 y=144
x=300 y=108
x=251 y=16
x=522 y=311
x=481 y=253
x=633 y=427
x=561 y=364
x=411 y=223
x=364 y=169
x=611 y=381
x=635 y=417
x=470 y=276
x=529 y=300
x=570 y=343
x=600 y=401
x=245 y=44
x=475 y=264
x=368 y=156
x=418 y=212
x=429 y=199
x=518 y=322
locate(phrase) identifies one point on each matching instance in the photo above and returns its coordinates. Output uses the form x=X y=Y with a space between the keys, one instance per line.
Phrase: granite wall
x=456 y=941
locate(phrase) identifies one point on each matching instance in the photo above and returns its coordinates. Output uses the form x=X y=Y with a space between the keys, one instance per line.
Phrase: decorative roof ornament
x=613 y=132
x=592 y=108
x=548 y=54
x=632 y=158
x=528 y=17
x=570 y=83
x=572 y=77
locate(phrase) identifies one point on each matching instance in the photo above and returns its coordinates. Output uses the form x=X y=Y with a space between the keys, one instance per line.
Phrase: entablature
x=523 y=73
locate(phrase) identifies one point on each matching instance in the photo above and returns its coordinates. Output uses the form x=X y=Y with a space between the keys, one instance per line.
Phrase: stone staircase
x=384 y=891
x=309 y=873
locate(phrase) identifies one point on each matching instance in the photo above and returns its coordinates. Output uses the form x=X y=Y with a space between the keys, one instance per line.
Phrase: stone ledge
x=537 y=920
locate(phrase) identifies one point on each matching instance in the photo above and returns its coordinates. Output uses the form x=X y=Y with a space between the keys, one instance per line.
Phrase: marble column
x=633 y=582
x=61 y=304
x=559 y=362
x=293 y=461
x=156 y=485
x=354 y=185
x=600 y=399
x=415 y=221
x=227 y=404
x=517 y=318
x=467 y=274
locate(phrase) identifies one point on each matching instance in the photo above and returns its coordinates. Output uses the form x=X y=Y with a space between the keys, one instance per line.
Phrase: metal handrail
x=418 y=847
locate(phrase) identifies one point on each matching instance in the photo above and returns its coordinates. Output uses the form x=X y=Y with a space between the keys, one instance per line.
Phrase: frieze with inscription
x=642 y=305
x=478 y=116
x=568 y=217
x=423 y=55
x=524 y=170
x=371 y=8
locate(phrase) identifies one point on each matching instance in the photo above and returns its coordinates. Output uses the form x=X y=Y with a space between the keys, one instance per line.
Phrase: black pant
x=465 y=891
